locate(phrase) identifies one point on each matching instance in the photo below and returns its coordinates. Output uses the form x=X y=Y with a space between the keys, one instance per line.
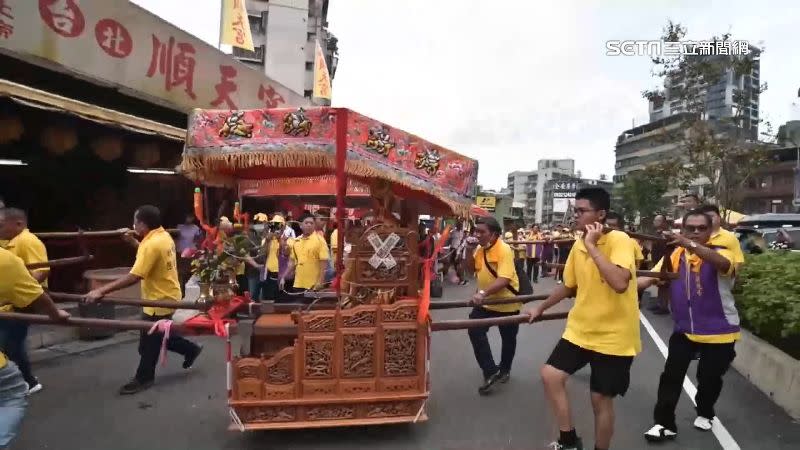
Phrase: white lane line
x=720 y=432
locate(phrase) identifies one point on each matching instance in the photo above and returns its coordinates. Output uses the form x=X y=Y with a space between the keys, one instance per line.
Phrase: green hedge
x=768 y=298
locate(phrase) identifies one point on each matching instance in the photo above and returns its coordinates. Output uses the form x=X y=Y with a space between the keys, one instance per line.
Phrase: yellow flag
x=322 y=78
x=235 y=27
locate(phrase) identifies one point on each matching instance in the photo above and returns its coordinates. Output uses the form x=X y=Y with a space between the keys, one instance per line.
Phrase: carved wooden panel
x=400 y=275
x=399 y=385
x=399 y=352
x=330 y=412
x=249 y=389
x=318 y=322
x=319 y=388
x=318 y=358
x=400 y=312
x=358 y=355
x=356 y=388
x=279 y=392
x=361 y=317
x=249 y=368
x=280 y=368
x=267 y=414
x=390 y=409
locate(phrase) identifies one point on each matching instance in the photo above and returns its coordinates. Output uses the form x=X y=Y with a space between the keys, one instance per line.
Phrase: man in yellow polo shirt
x=602 y=329
x=494 y=281
x=308 y=259
x=156 y=268
x=18 y=289
x=24 y=244
x=276 y=242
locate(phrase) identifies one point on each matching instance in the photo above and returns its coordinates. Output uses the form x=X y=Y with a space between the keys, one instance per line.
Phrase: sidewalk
x=47 y=342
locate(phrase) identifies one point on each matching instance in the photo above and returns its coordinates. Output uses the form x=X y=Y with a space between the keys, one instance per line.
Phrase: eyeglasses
x=695 y=229
x=582 y=211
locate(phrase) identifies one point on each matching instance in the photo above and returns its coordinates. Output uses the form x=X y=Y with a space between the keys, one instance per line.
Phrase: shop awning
x=36 y=98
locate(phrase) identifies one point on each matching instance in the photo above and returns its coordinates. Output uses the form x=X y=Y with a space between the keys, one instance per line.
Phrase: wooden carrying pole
x=463 y=324
x=86 y=322
x=60 y=262
x=639 y=273
x=501 y=301
x=64 y=297
x=88 y=234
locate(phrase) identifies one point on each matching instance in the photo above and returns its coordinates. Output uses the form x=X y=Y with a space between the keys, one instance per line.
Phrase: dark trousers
x=150 y=349
x=715 y=359
x=480 y=342
x=533 y=269
x=14 y=335
x=269 y=289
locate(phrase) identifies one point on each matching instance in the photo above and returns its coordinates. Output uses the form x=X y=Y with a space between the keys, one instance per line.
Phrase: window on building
x=311 y=36
x=308 y=93
x=309 y=65
x=256 y=24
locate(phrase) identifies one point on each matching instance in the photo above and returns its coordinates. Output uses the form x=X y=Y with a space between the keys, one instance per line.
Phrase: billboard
x=119 y=44
x=487 y=203
x=564 y=196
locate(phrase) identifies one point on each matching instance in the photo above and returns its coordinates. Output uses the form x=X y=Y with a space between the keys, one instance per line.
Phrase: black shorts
x=611 y=374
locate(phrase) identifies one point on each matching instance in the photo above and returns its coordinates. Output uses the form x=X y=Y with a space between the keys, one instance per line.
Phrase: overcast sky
x=510 y=82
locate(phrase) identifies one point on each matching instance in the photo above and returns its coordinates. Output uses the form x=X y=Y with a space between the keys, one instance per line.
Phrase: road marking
x=720 y=432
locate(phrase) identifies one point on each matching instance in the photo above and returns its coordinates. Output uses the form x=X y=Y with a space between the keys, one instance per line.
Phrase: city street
x=79 y=407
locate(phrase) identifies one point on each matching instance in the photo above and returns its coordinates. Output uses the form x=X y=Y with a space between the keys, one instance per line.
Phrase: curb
x=772 y=371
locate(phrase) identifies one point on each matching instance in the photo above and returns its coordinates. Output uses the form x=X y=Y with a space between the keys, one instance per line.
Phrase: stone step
x=43 y=336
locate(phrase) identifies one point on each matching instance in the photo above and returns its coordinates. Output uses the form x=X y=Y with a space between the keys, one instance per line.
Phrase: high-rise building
x=285 y=33
x=716 y=98
x=528 y=187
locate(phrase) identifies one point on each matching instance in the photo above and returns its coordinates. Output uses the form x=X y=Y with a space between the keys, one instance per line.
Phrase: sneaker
x=703 y=423
x=35 y=388
x=135 y=386
x=190 y=359
x=559 y=446
x=489 y=383
x=659 y=434
x=504 y=377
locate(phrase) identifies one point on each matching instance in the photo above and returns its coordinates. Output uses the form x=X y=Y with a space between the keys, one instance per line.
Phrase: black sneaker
x=190 y=359
x=504 y=377
x=489 y=383
x=134 y=387
x=559 y=446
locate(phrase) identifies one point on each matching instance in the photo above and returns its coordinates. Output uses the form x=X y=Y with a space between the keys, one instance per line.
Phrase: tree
x=642 y=194
x=718 y=152
x=603 y=177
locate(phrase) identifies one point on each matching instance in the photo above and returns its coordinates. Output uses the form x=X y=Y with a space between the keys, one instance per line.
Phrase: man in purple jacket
x=706 y=322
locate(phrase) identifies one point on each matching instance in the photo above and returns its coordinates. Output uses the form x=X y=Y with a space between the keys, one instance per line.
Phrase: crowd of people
x=598 y=264
x=602 y=328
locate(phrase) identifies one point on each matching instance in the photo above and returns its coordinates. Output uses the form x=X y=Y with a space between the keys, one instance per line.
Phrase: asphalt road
x=79 y=408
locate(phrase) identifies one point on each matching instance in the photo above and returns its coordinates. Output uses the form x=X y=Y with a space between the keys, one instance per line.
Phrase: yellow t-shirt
x=17 y=287
x=726 y=338
x=726 y=239
x=334 y=243
x=273 y=264
x=603 y=320
x=156 y=266
x=30 y=249
x=307 y=252
x=501 y=258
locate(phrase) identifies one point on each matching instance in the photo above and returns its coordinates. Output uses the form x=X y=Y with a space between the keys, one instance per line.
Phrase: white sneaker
x=702 y=423
x=35 y=388
x=658 y=434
